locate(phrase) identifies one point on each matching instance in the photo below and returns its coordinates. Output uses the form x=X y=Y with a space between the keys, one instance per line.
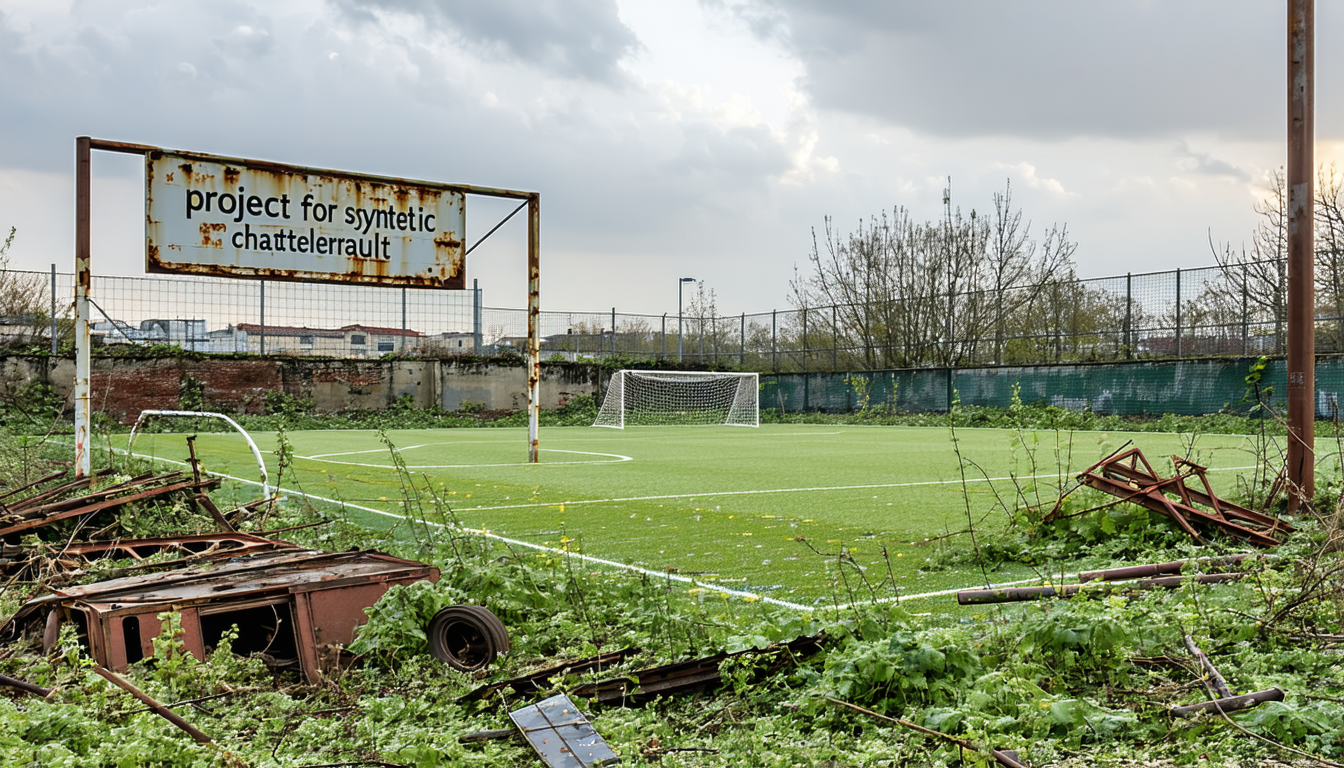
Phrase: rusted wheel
x=467 y=637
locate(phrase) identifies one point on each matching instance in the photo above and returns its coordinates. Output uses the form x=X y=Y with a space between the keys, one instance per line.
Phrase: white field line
x=613 y=458
x=784 y=490
x=708 y=586
x=514 y=542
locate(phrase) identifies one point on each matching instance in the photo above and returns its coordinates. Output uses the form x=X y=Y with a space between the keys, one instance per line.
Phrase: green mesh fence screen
x=1186 y=387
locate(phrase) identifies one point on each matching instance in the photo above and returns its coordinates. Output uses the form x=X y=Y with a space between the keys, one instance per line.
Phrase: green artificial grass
x=725 y=506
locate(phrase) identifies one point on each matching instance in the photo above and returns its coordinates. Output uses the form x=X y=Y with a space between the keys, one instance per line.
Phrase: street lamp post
x=680 y=283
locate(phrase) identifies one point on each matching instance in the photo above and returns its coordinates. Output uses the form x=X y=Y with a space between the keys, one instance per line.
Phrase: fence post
x=1245 y=321
x=742 y=346
x=53 y=310
x=1059 y=327
x=476 y=339
x=1129 y=317
x=613 y=331
x=262 y=324
x=702 y=339
x=804 y=353
x=1179 y=345
x=774 y=340
x=664 y=335
x=403 y=319
x=835 y=339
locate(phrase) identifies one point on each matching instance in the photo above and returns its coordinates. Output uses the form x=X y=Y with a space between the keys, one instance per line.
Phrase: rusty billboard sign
x=240 y=218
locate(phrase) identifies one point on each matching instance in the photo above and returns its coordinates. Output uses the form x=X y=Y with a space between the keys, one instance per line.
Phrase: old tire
x=467 y=637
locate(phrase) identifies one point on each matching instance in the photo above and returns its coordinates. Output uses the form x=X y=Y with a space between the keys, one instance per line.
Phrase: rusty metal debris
x=153 y=704
x=536 y=682
x=1066 y=591
x=290 y=604
x=286 y=603
x=694 y=676
x=25 y=686
x=561 y=735
x=1130 y=477
x=67 y=559
x=1213 y=680
x=1171 y=568
x=45 y=508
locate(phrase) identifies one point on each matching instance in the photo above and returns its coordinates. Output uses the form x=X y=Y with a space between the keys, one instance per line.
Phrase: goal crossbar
x=668 y=398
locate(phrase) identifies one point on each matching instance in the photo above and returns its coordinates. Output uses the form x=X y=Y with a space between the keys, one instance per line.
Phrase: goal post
x=668 y=398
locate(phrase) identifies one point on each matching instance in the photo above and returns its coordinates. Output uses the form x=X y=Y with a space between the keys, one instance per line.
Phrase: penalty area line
x=866 y=486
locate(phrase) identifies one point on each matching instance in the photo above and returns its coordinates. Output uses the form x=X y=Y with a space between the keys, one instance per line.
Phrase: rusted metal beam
x=539 y=681
x=1066 y=591
x=1162 y=569
x=42 y=516
x=152 y=703
x=1230 y=704
x=33 y=484
x=1301 y=266
x=25 y=686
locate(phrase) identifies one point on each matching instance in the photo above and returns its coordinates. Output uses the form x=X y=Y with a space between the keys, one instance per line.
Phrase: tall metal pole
x=53 y=311
x=533 y=327
x=1301 y=299
x=83 y=281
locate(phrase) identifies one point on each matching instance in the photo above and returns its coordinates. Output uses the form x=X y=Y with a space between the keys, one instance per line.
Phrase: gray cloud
x=1048 y=69
x=572 y=38
x=1209 y=165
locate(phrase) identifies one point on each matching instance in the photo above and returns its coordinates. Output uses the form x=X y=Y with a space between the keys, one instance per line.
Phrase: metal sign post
x=239 y=218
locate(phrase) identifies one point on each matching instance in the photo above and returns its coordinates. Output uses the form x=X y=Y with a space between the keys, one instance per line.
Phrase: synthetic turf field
x=722 y=505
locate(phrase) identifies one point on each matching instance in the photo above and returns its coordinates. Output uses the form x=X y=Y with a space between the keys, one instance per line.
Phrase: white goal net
x=640 y=398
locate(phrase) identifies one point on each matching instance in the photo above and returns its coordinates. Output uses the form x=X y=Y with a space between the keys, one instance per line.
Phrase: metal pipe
x=83 y=281
x=533 y=327
x=262 y=307
x=1179 y=346
x=53 y=310
x=1231 y=704
x=476 y=339
x=1301 y=298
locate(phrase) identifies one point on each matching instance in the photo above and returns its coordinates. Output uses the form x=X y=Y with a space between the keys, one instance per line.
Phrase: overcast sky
x=674 y=138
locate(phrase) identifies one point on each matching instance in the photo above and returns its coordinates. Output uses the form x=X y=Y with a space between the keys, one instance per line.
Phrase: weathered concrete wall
x=495 y=386
x=123 y=387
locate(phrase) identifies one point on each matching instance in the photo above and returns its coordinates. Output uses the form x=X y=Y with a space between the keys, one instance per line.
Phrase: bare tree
x=1330 y=253
x=908 y=293
x=1258 y=276
x=23 y=312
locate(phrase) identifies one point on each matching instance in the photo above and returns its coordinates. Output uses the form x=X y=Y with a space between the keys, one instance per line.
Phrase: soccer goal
x=647 y=398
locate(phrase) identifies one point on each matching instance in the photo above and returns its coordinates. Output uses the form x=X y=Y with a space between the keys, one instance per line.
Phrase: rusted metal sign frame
x=84 y=146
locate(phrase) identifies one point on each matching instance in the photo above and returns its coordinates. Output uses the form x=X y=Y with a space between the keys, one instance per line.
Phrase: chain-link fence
x=1197 y=312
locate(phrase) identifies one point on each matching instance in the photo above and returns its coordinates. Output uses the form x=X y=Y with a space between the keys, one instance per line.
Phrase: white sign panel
x=250 y=219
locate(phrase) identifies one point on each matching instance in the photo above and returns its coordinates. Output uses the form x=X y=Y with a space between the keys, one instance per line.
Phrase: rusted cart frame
x=1129 y=476
x=312 y=598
